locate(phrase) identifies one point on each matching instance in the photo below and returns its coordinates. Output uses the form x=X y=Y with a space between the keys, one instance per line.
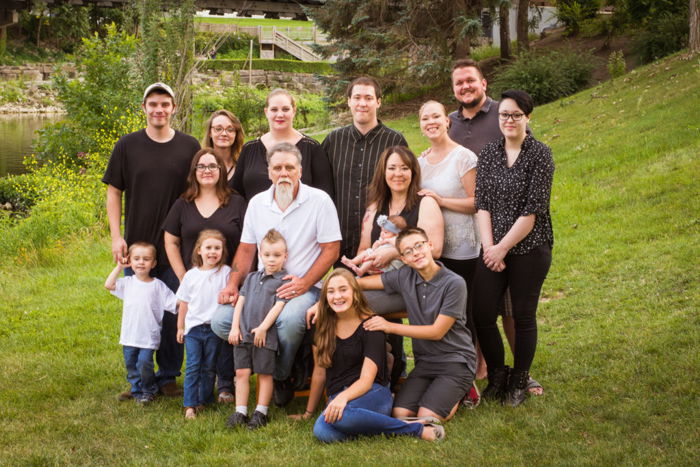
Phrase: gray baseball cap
x=161 y=87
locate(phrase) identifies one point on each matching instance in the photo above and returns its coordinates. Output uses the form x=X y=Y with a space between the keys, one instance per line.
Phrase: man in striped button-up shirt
x=353 y=152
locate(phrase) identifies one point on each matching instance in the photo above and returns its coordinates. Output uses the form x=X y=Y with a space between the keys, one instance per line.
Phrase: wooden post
x=250 y=64
x=313 y=33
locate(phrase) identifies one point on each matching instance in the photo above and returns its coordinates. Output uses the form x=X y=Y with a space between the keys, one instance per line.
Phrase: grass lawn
x=619 y=335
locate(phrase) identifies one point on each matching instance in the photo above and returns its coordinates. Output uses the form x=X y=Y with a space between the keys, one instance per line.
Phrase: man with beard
x=475 y=122
x=307 y=219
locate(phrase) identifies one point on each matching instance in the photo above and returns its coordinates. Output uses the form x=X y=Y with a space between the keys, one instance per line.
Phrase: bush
x=546 y=76
x=573 y=13
x=666 y=35
x=232 y=46
x=616 y=64
x=291 y=66
x=247 y=104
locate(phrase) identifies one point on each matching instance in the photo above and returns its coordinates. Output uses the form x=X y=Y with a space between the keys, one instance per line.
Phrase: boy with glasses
x=435 y=300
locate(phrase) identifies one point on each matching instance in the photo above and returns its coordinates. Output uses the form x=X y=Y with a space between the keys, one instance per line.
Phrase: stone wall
x=34 y=72
x=300 y=82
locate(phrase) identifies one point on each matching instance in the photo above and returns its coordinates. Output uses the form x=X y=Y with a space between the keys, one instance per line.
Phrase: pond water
x=16 y=134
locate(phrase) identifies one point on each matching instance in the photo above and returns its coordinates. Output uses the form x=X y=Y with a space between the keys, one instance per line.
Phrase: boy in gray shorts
x=253 y=331
x=435 y=300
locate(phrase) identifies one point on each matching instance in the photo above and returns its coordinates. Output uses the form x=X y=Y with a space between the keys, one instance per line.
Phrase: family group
x=247 y=251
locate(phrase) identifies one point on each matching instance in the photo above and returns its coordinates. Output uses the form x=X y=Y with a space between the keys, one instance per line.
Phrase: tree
x=504 y=28
x=522 y=25
x=694 y=36
x=403 y=44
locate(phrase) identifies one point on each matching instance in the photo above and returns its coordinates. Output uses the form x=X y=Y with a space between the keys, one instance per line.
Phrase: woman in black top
x=513 y=186
x=224 y=133
x=351 y=363
x=251 y=175
x=394 y=191
x=207 y=203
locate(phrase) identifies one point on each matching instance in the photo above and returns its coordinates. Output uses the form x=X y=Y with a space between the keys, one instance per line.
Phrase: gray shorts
x=258 y=359
x=435 y=386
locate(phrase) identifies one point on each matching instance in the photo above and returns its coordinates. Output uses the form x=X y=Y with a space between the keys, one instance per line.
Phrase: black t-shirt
x=185 y=221
x=251 y=175
x=349 y=357
x=152 y=176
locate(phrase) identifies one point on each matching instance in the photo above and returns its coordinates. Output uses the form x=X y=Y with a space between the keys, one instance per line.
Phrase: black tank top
x=411 y=217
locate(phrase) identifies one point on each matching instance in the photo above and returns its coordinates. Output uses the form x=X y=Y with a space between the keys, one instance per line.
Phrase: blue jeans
x=170 y=354
x=139 y=370
x=291 y=326
x=202 y=348
x=366 y=415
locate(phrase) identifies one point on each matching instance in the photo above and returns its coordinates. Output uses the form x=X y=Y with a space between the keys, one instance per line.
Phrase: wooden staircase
x=289 y=45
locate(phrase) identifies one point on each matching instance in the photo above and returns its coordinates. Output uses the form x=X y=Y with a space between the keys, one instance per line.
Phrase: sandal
x=427 y=420
x=534 y=388
x=190 y=413
x=439 y=431
x=226 y=397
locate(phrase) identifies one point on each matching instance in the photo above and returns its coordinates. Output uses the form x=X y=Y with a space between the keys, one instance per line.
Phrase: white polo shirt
x=310 y=219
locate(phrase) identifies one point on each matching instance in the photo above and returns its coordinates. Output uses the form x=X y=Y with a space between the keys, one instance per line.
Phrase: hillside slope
x=619 y=341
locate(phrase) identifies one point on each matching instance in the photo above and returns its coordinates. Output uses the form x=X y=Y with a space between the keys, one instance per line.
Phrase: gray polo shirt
x=475 y=133
x=259 y=290
x=444 y=294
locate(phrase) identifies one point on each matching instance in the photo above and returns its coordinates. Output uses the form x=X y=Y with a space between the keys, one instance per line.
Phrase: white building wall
x=549 y=19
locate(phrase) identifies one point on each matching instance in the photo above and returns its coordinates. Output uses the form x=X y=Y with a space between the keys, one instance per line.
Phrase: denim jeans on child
x=366 y=415
x=139 y=371
x=202 y=349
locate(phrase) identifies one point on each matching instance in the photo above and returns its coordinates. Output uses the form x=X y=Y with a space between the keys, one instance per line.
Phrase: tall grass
x=619 y=340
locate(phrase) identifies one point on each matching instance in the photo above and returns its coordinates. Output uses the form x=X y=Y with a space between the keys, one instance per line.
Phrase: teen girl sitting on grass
x=198 y=294
x=351 y=363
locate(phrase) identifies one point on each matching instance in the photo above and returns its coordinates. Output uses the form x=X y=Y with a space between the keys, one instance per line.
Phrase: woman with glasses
x=207 y=203
x=513 y=187
x=225 y=135
x=251 y=175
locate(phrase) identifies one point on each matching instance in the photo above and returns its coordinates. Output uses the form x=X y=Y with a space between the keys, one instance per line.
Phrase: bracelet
x=307 y=411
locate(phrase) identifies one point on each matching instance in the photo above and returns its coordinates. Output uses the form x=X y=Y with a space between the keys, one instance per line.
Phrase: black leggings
x=524 y=274
x=466 y=268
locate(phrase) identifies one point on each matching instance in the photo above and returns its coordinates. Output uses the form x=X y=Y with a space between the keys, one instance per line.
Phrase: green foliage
x=166 y=51
x=108 y=92
x=403 y=44
x=574 y=12
x=11 y=91
x=290 y=66
x=616 y=64
x=546 y=76
x=668 y=34
x=226 y=45
x=247 y=104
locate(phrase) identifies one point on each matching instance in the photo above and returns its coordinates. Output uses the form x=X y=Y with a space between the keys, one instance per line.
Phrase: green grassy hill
x=619 y=339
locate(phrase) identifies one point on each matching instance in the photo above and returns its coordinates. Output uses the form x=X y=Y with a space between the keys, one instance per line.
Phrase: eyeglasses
x=210 y=167
x=417 y=248
x=217 y=130
x=515 y=116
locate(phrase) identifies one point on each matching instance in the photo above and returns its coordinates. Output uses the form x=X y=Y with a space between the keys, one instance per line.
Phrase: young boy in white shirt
x=145 y=300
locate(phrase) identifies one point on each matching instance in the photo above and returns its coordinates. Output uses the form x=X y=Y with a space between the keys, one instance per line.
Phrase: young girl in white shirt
x=198 y=300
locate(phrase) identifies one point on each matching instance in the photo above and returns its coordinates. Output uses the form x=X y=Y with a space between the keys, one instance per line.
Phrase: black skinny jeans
x=524 y=274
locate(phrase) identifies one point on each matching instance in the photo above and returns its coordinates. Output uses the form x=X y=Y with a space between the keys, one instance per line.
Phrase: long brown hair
x=378 y=191
x=326 y=319
x=237 y=142
x=223 y=192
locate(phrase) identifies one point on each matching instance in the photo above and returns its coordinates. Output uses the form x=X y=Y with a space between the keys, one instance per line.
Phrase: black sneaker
x=283 y=393
x=258 y=420
x=236 y=419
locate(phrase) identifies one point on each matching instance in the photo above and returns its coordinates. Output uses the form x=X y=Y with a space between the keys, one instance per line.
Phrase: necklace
x=395 y=212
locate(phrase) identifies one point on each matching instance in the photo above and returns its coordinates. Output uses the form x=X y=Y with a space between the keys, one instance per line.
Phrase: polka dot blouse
x=508 y=193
